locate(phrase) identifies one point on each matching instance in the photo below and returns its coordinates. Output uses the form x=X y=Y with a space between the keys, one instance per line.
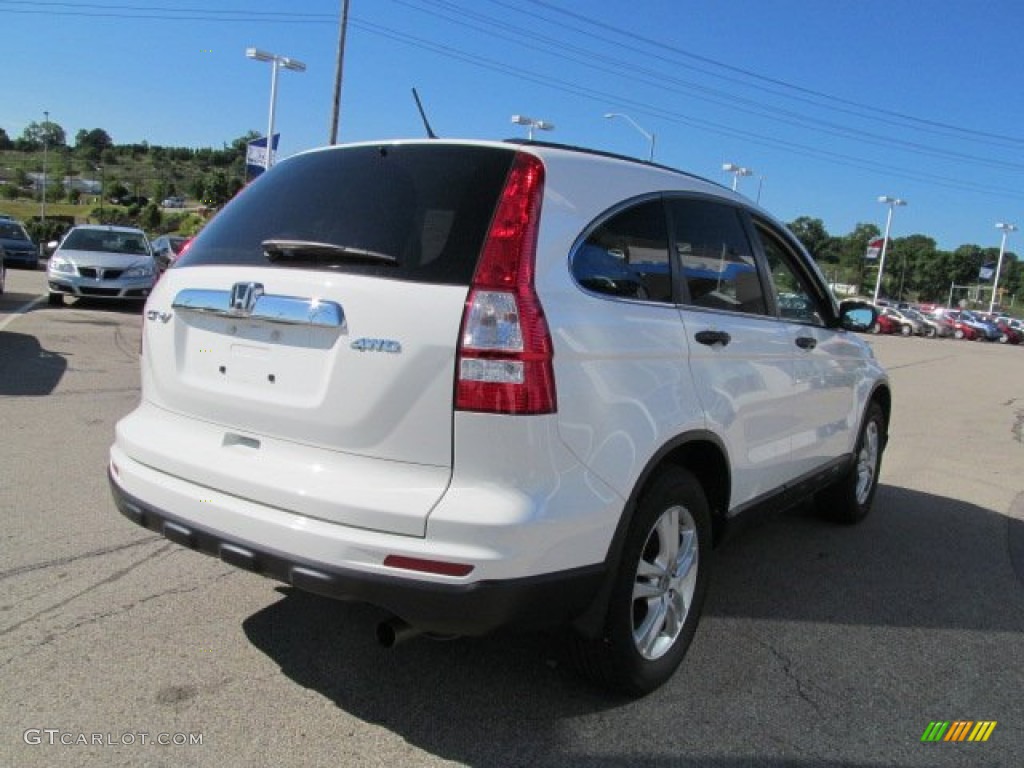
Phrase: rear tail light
x=505 y=351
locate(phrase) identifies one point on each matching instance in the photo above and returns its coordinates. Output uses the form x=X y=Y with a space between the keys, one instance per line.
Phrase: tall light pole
x=736 y=171
x=276 y=62
x=530 y=123
x=335 y=113
x=1007 y=229
x=892 y=202
x=649 y=136
x=46 y=142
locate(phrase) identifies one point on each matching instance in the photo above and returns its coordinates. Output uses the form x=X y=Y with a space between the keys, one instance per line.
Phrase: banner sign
x=987 y=272
x=256 y=156
x=874 y=248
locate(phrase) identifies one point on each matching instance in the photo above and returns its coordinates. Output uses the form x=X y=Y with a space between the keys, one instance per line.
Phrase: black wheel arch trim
x=591 y=622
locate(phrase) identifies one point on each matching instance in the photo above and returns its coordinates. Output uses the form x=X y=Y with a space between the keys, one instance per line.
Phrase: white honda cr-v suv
x=483 y=384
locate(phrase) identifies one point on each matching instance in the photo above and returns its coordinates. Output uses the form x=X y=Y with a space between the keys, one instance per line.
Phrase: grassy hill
x=83 y=182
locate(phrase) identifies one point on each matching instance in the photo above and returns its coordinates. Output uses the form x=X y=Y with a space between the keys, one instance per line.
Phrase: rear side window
x=427 y=208
x=719 y=267
x=627 y=255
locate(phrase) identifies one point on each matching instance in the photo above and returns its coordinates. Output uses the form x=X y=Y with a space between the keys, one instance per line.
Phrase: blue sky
x=830 y=102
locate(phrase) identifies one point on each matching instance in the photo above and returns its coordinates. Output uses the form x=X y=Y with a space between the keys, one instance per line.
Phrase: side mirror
x=52 y=246
x=857 y=315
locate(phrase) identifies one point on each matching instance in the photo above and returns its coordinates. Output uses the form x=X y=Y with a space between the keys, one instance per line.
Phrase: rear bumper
x=474 y=608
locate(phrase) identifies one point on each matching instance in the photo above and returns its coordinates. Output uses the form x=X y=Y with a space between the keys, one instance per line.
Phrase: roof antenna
x=423 y=115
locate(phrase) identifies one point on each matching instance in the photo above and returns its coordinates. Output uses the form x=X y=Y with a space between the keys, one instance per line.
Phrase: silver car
x=101 y=262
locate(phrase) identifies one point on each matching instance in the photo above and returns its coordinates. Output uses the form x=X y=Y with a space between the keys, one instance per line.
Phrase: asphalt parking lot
x=820 y=645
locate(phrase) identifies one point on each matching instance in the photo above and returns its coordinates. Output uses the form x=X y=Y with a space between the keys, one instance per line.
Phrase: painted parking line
x=21 y=311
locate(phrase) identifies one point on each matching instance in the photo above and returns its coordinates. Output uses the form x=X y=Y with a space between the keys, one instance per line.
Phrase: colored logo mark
x=958 y=730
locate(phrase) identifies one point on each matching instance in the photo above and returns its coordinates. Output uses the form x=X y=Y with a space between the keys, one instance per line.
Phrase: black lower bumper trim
x=460 y=609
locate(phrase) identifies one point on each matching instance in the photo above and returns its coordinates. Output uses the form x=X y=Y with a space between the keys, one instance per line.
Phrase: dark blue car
x=19 y=250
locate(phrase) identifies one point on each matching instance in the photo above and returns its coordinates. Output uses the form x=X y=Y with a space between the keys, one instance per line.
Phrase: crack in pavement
x=155 y=538
x=787 y=670
x=97 y=617
x=109 y=579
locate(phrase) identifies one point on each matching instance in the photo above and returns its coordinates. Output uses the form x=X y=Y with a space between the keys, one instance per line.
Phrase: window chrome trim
x=286 y=310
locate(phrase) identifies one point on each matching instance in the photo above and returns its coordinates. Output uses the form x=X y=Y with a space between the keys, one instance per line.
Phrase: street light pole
x=649 y=136
x=46 y=142
x=530 y=124
x=276 y=62
x=736 y=171
x=1007 y=229
x=892 y=202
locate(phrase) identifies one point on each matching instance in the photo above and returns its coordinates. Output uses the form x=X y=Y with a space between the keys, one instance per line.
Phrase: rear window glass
x=425 y=208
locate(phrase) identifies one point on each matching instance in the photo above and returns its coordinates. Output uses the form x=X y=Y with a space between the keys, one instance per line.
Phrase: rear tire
x=658 y=592
x=907 y=330
x=56 y=300
x=850 y=498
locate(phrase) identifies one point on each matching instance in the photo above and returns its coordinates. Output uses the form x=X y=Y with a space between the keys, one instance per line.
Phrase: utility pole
x=342 y=27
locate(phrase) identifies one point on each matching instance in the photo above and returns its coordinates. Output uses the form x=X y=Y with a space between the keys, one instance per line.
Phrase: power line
x=708 y=126
x=533 y=40
x=872 y=108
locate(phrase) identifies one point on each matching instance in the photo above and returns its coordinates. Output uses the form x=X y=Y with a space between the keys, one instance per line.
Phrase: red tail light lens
x=505 y=350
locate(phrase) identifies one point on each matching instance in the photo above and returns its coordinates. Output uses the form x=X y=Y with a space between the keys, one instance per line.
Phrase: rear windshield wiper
x=310 y=251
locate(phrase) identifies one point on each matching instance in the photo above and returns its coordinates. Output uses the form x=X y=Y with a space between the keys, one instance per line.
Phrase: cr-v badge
x=163 y=317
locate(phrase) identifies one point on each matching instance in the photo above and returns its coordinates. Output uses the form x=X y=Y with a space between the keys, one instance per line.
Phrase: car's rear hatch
x=303 y=350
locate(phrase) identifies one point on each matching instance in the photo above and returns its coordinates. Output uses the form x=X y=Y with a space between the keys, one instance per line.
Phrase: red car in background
x=961 y=330
x=1011 y=335
x=885 y=324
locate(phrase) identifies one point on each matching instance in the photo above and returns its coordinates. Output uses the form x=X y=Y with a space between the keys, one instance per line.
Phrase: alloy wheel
x=665 y=580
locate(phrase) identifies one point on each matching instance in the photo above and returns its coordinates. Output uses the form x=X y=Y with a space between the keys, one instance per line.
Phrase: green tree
x=815 y=238
x=91 y=144
x=852 y=255
x=906 y=262
x=5 y=140
x=36 y=133
x=115 y=190
x=150 y=217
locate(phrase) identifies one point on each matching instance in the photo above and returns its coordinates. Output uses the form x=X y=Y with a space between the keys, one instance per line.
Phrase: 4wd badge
x=377 y=345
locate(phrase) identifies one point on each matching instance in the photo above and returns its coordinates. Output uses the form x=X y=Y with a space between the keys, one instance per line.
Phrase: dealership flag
x=987 y=272
x=874 y=248
x=256 y=156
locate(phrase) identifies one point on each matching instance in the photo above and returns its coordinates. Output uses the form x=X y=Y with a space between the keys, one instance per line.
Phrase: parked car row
x=940 y=322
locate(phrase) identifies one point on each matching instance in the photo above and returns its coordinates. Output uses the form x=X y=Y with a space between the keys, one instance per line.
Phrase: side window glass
x=795 y=301
x=627 y=255
x=717 y=261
